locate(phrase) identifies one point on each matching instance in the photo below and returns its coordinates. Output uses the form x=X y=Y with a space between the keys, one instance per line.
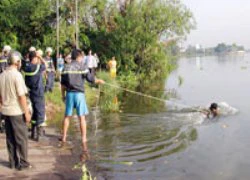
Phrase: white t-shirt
x=12 y=86
x=91 y=61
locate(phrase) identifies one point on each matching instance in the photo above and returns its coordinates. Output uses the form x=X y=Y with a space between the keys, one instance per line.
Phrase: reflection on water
x=199 y=63
x=145 y=133
x=165 y=140
x=138 y=139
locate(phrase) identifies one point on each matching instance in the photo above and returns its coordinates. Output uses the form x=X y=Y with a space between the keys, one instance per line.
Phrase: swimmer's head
x=214 y=109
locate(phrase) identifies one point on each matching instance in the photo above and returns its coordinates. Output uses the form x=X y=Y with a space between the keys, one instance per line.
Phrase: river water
x=150 y=141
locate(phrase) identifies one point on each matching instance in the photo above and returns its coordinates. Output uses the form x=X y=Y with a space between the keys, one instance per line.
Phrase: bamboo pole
x=76 y=24
x=57 y=29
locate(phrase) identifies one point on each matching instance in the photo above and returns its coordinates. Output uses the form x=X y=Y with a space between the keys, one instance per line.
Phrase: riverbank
x=48 y=160
x=52 y=162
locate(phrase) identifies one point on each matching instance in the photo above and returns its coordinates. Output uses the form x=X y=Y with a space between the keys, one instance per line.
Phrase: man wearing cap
x=26 y=60
x=32 y=48
x=3 y=65
x=14 y=107
x=34 y=80
x=50 y=70
x=4 y=58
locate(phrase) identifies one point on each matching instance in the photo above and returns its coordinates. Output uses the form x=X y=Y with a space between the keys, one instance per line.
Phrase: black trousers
x=92 y=71
x=17 y=140
x=50 y=81
x=38 y=106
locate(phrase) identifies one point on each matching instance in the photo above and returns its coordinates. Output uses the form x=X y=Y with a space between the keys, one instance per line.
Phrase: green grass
x=92 y=95
x=109 y=95
x=108 y=99
x=55 y=97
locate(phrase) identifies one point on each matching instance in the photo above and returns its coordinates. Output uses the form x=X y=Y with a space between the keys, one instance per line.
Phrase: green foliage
x=24 y=22
x=86 y=175
x=55 y=97
x=132 y=33
x=131 y=30
x=91 y=95
x=109 y=93
x=128 y=80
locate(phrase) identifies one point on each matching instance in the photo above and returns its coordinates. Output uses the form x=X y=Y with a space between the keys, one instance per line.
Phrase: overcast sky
x=220 y=21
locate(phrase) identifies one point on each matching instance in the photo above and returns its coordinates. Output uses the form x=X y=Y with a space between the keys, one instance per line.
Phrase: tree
x=221 y=48
x=25 y=22
x=130 y=30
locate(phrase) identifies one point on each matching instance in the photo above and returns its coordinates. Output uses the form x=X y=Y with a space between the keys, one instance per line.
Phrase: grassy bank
x=108 y=99
x=108 y=93
x=55 y=106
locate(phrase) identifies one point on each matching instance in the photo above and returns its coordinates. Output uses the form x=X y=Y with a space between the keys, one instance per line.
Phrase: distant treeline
x=220 y=49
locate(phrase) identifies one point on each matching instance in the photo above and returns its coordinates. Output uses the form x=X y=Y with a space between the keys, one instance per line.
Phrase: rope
x=153 y=97
x=137 y=93
x=142 y=94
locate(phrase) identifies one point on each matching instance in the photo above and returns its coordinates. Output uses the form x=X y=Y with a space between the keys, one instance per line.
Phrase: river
x=148 y=141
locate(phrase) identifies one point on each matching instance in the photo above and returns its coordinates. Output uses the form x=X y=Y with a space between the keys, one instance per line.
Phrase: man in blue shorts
x=72 y=81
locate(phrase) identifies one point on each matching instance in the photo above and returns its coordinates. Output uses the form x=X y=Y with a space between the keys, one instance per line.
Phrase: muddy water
x=149 y=141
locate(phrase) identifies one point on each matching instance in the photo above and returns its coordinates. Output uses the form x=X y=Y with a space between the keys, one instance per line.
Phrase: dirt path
x=48 y=160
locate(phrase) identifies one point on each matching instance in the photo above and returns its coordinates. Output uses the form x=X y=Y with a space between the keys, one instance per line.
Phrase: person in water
x=213 y=111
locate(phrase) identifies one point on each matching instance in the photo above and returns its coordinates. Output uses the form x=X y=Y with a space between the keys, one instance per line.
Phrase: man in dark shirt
x=72 y=82
x=50 y=71
x=34 y=81
x=4 y=58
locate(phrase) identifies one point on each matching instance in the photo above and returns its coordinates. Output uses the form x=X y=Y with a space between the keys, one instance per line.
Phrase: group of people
x=16 y=91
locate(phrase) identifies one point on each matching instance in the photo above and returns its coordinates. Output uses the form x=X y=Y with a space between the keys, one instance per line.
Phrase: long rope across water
x=149 y=96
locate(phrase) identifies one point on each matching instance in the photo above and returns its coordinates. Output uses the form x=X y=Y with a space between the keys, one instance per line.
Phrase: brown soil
x=48 y=159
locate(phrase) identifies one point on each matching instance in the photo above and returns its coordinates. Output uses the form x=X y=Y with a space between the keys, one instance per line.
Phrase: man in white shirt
x=16 y=112
x=92 y=64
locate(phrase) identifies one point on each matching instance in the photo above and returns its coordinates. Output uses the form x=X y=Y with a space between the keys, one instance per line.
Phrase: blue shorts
x=76 y=100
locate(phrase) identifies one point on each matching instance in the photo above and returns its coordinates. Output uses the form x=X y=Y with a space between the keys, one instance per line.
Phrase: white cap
x=49 y=49
x=32 y=48
x=39 y=52
x=6 y=48
x=15 y=57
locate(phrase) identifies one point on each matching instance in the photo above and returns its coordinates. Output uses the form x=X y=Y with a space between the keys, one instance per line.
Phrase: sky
x=220 y=21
